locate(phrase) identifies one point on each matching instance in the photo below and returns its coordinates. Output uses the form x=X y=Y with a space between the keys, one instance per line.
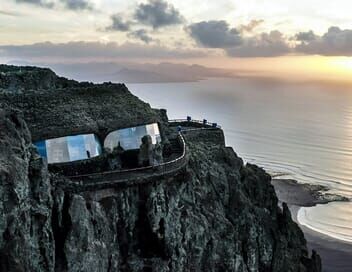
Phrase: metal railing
x=191 y=122
x=154 y=169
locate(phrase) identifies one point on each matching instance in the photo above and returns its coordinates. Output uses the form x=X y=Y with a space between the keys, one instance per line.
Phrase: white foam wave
x=323 y=219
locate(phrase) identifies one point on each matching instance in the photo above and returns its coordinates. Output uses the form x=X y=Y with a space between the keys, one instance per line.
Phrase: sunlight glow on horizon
x=342 y=63
x=288 y=68
x=291 y=68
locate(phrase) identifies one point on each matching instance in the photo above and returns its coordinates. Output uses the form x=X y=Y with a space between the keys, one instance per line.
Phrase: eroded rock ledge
x=304 y=195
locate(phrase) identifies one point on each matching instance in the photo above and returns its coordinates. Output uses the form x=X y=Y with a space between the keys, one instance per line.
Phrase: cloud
x=218 y=34
x=9 y=13
x=157 y=13
x=91 y=50
x=250 y=26
x=41 y=3
x=305 y=36
x=142 y=35
x=335 y=42
x=214 y=34
x=271 y=44
x=68 y=4
x=118 y=24
x=77 y=4
x=235 y=43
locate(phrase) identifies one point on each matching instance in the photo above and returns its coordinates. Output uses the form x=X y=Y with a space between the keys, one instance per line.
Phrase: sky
x=274 y=36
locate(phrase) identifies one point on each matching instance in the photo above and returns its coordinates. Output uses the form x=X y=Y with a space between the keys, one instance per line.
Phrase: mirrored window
x=69 y=148
x=130 y=138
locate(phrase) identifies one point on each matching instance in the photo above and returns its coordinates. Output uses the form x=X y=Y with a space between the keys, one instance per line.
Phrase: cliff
x=19 y=79
x=53 y=106
x=216 y=215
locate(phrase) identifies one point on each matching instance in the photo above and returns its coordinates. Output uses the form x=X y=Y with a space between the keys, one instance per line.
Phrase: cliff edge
x=216 y=215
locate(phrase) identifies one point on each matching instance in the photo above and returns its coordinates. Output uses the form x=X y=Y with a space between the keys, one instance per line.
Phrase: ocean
x=301 y=131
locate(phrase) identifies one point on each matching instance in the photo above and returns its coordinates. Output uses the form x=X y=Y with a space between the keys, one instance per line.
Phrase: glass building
x=130 y=138
x=69 y=148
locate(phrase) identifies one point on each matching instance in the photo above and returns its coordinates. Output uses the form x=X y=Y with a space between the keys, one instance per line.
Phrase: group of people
x=149 y=154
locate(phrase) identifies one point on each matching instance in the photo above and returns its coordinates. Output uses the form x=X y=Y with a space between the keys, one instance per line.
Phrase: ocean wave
x=324 y=219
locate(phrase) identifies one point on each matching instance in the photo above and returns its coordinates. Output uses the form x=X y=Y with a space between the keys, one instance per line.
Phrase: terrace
x=175 y=158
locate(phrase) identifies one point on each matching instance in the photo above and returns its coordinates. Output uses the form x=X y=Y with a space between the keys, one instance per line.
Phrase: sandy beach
x=336 y=255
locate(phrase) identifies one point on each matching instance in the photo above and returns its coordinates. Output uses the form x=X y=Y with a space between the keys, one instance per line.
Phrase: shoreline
x=336 y=254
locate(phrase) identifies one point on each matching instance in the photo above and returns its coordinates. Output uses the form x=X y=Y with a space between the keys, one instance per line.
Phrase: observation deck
x=142 y=175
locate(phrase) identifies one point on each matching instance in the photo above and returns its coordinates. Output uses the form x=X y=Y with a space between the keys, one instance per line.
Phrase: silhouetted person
x=119 y=148
x=157 y=154
x=88 y=154
x=114 y=158
x=145 y=156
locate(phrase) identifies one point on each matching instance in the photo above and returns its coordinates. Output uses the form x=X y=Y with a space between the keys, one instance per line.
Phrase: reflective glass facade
x=130 y=138
x=69 y=148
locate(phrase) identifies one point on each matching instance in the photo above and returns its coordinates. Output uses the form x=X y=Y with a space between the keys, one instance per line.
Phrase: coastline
x=336 y=254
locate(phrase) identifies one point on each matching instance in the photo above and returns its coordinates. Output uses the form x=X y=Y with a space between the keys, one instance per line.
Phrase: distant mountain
x=129 y=72
x=139 y=76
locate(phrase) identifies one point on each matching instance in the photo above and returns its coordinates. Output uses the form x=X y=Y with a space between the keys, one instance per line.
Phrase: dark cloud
x=157 y=13
x=214 y=34
x=41 y=3
x=271 y=44
x=69 y=4
x=118 y=24
x=305 y=36
x=75 y=50
x=250 y=26
x=335 y=42
x=77 y=4
x=218 y=34
x=142 y=35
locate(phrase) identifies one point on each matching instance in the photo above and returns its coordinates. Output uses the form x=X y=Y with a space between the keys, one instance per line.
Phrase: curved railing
x=124 y=176
x=191 y=122
x=121 y=174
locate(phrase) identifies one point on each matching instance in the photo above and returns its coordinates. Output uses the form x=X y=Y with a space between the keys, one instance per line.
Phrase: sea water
x=301 y=131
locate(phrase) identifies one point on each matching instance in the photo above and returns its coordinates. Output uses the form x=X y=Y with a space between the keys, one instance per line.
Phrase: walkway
x=130 y=177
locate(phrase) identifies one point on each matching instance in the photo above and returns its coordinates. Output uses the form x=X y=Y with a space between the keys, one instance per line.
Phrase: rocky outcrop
x=19 y=79
x=218 y=215
x=58 y=107
x=26 y=237
x=304 y=195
